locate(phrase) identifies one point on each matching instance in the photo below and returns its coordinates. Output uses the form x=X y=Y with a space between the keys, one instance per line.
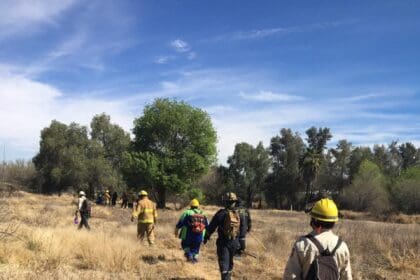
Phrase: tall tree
x=174 y=145
x=317 y=140
x=342 y=154
x=61 y=160
x=248 y=167
x=409 y=155
x=284 y=182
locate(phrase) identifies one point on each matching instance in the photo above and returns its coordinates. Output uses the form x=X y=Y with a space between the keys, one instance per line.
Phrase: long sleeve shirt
x=304 y=253
x=145 y=211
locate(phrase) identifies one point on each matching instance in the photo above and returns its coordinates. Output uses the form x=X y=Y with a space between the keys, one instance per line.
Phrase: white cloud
x=18 y=16
x=28 y=106
x=163 y=59
x=268 y=32
x=180 y=45
x=269 y=96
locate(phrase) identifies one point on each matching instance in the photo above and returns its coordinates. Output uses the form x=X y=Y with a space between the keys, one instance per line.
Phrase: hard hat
x=142 y=193
x=82 y=193
x=194 y=203
x=230 y=196
x=107 y=191
x=325 y=210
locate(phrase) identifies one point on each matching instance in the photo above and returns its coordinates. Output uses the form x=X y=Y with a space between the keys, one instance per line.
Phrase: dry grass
x=49 y=246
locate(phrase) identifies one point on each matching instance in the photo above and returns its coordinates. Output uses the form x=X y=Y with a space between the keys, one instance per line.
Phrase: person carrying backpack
x=193 y=223
x=245 y=216
x=84 y=210
x=228 y=223
x=321 y=254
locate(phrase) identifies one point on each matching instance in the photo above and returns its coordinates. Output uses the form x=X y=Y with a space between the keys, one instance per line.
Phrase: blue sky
x=254 y=66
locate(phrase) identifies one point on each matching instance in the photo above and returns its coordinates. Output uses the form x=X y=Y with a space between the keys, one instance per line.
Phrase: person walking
x=84 y=210
x=246 y=224
x=193 y=223
x=146 y=215
x=321 y=254
x=228 y=223
x=107 y=198
x=114 y=199
x=124 y=198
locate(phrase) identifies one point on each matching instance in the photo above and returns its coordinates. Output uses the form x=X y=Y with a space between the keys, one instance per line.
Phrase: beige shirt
x=304 y=253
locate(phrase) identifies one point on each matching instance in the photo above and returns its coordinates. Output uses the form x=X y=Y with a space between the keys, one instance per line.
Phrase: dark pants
x=242 y=246
x=226 y=249
x=84 y=217
x=124 y=203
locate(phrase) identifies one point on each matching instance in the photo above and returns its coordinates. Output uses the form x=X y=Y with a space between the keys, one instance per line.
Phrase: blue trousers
x=191 y=248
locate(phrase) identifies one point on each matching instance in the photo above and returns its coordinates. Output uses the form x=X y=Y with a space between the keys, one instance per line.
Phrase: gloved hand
x=176 y=232
x=206 y=238
x=132 y=219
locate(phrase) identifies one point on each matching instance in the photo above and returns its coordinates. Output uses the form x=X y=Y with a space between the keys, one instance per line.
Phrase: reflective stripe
x=147 y=210
x=146 y=221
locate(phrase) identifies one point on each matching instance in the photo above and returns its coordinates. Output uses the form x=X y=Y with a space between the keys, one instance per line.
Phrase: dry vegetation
x=48 y=246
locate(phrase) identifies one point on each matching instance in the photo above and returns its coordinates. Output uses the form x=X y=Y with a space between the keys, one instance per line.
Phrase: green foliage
x=69 y=159
x=285 y=182
x=368 y=191
x=248 y=169
x=174 y=145
x=406 y=191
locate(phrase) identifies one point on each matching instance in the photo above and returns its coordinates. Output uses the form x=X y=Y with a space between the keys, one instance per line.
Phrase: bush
x=368 y=191
x=406 y=191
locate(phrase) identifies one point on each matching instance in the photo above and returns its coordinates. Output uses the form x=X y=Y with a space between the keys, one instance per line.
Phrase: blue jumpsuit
x=191 y=241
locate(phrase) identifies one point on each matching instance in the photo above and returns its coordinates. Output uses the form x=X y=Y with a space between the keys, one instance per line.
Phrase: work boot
x=226 y=275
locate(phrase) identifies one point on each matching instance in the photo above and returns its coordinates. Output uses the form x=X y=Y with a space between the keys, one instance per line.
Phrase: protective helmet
x=230 y=196
x=194 y=203
x=107 y=191
x=141 y=193
x=325 y=210
x=82 y=193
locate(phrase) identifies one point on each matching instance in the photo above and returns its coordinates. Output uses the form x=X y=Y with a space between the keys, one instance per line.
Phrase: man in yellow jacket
x=320 y=253
x=145 y=212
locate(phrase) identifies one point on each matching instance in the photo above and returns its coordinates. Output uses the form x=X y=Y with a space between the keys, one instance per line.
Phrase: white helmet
x=82 y=193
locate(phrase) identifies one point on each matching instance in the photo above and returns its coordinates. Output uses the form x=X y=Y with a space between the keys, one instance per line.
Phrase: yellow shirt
x=304 y=253
x=145 y=211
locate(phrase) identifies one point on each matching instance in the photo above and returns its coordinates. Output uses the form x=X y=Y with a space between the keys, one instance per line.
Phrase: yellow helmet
x=325 y=210
x=143 y=193
x=194 y=203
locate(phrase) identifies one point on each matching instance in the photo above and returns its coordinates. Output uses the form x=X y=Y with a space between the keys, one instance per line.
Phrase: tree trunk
x=161 y=202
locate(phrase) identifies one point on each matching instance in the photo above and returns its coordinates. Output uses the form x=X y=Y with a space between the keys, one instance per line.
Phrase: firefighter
x=146 y=214
x=193 y=223
x=304 y=261
x=228 y=223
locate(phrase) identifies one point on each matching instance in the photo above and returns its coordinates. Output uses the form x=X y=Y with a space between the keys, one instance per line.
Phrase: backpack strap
x=316 y=242
x=321 y=249
x=336 y=247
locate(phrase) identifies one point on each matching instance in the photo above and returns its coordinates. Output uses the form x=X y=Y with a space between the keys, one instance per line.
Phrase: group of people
x=319 y=255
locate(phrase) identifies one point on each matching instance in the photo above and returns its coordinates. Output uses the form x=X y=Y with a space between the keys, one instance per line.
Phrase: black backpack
x=324 y=267
x=87 y=207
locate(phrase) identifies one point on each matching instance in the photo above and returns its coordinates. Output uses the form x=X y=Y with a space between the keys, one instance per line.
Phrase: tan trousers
x=146 y=229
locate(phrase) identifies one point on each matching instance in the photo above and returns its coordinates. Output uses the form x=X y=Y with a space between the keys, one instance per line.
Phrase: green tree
x=61 y=161
x=248 y=167
x=174 y=145
x=284 y=182
x=358 y=155
x=409 y=155
x=342 y=155
x=313 y=158
x=114 y=140
x=406 y=191
x=368 y=191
